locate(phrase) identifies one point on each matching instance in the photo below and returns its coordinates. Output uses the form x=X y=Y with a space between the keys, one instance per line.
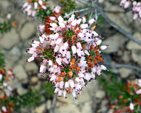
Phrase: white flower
x=131 y=106
x=83 y=26
x=73 y=49
x=57 y=9
x=98 y=42
x=71 y=82
x=59 y=61
x=0 y=76
x=59 y=40
x=91 y=21
x=42 y=69
x=4 y=109
x=103 y=47
x=41 y=28
x=138 y=91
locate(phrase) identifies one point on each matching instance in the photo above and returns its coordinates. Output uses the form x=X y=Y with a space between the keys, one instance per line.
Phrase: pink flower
x=32 y=7
x=67 y=51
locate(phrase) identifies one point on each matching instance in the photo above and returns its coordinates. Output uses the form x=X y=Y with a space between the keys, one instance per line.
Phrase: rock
x=27 y=31
x=49 y=104
x=100 y=94
x=4 y=4
x=115 y=42
x=124 y=72
x=9 y=40
x=14 y=83
x=37 y=86
x=86 y=108
x=31 y=67
x=132 y=45
x=67 y=108
x=15 y=51
x=136 y=56
x=40 y=109
x=10 y=59
x=107 y=59
x=21 y=91
x=119 y=19
x=2 y=20
x=20 y=72
x=103 y=106
x=126 y=56
x=52 y=3
x=34 y=80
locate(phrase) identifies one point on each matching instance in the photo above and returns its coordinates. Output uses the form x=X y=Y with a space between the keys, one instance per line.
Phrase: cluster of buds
x=70 y=50
x=136 y=9
x=32 y=6
x=5 y=89
x=134 y=90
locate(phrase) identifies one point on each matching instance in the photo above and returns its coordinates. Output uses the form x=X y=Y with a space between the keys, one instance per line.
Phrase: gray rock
x=52 y=3
x=120 y=20
x=49 y=104
x=107 y=59
x=39 y=109
x=100 y=94
x=132 y=45
x=20 y=72
x=14 y=83
x=31 y=67
x=136 y=56
x=34 y=80
x=86 y=108
x=124 y=72
x=103 y=106
x=21 y=91
x=115 y=42
x=9 y=40
x=4 y=4
x=10 y=59
x=2 y=20
x=27 y=31
x=15 y=51
x=126 y=56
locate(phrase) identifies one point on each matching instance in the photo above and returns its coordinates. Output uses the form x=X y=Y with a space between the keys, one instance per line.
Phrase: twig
x=106 y=78
x=124 y=66
x=137 y=70
x=78 y=11
x=53 y=104
x=114 y=25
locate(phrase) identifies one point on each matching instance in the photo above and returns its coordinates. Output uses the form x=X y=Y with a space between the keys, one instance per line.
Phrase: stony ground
x=121 y=50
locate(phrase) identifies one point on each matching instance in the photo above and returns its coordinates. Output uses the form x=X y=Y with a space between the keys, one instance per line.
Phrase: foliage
x=2 y=62
x=41 y=14
x=5 y=27
x=32 y=98
x=122 y=91
x=67 y=5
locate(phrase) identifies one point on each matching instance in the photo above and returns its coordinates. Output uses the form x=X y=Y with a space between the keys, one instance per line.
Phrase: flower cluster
x=5 y=89
x=134 y=89
x=70 y=51
x=32 y=6
x=136 y=9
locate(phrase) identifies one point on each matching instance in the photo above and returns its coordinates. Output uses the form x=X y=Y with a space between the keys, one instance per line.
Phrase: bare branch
x=114 y=25
x=53 y=104
x=78 y=11
x=123 y=66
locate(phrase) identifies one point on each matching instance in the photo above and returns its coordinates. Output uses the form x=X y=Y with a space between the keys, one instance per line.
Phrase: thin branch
x=78 y=11
x=114 y=25
x=124 y=66
x=53 y=104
